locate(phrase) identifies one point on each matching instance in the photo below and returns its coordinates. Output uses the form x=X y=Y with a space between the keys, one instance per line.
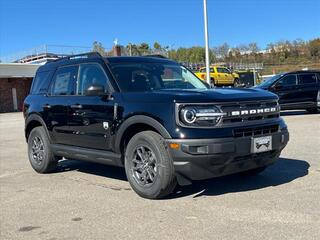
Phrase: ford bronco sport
x=152 y=116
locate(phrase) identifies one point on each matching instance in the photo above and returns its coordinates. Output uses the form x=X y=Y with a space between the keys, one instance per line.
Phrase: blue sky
x=28 y=23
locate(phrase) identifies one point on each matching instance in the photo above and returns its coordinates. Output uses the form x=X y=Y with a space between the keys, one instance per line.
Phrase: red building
x=15 y=82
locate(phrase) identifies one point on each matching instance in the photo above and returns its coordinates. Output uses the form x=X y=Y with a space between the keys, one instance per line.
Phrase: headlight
x=198 y=116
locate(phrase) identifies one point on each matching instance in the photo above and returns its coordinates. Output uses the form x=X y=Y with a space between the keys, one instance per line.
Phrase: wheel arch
x=32 y=121
x=136 y=124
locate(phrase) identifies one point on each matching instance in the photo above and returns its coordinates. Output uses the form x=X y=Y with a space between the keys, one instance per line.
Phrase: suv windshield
x=136 y=77
x=270 y=81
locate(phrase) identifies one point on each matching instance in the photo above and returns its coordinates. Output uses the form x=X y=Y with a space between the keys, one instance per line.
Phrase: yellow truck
x=220 y=76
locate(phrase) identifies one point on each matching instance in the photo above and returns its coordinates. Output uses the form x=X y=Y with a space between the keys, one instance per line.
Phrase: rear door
x=286 y=89
x=90 y=117
x=55 y=104
x=308 y=88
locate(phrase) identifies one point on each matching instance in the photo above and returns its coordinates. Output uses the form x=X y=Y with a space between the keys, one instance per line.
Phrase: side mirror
x=95 y=90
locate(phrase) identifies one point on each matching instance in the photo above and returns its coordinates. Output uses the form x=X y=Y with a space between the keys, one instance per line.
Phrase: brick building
x=15 y=82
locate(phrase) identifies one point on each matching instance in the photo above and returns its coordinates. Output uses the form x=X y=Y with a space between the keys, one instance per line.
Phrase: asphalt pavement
x=92 y=201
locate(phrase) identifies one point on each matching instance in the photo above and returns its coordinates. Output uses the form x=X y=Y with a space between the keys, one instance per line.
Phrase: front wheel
x=149 y=167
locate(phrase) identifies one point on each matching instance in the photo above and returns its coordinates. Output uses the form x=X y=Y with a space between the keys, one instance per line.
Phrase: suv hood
x=200 y=95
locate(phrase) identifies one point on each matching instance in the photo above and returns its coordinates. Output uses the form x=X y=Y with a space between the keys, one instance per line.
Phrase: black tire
x=212 y=81
x=312 y=110
x=41 y=159
x=157 y=165
x=253 y=172
x=236 y=82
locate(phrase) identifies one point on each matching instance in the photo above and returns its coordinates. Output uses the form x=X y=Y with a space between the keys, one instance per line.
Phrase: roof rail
x=155 y=56
x=77 y=56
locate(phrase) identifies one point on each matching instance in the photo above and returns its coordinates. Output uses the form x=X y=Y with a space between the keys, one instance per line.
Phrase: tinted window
x=288 y=80
x=40 y=83
x=222 y=70
x=136 y=77
x=64 y=81
x=203 y=70
x=307 y=78
x=89 y=75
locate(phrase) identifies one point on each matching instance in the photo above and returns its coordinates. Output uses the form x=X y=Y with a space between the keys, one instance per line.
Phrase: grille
x=257 y=131
x=247 y=112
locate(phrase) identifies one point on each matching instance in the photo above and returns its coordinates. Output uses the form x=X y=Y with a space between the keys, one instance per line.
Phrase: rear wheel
x=253 y=172
x=40 y=155
x=149 y=167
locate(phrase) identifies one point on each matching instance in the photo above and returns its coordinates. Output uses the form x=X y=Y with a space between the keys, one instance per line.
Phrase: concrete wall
x=22 y=86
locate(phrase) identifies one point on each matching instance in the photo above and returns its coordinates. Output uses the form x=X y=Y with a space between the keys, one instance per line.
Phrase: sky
x=25 y=24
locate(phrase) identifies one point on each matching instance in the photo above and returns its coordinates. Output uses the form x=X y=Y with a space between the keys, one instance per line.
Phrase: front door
x=91 y=117
x=286 y=89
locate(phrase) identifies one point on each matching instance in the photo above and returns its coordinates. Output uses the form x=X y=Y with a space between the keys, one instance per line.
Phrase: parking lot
x=91 y=201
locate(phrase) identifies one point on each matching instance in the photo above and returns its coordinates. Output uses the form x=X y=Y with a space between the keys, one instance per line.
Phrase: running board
x=87 y=154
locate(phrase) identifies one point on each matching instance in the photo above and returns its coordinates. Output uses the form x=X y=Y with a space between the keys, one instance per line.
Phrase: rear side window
x=307 y=78
x=222 y=70
x=40 y=83
x=64 y=81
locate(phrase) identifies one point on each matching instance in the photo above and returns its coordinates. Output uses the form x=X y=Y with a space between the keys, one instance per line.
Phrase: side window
x=64 y=81
x=307 y=78
x=40 y=83
x=89 y=75
x=223 y=70
x=289 y=80
x=203 y=70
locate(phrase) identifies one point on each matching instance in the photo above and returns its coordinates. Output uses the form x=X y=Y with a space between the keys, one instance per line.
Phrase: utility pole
x=206 y=41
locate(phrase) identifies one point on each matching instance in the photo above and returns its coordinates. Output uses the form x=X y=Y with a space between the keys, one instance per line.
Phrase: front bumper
x=198 y=159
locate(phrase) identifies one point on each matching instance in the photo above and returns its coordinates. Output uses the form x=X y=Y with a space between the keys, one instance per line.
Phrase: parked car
x=151 y=116
x=220 y=76
x=296 y=90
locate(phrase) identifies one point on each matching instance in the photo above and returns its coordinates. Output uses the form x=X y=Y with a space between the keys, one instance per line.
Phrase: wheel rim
x=37 y=150
x=144 y=166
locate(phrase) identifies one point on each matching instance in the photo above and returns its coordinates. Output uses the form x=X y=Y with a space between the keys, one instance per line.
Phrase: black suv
x=152 y=116
x=296 y=90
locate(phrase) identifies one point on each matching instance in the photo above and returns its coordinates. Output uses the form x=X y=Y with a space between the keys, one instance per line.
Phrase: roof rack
x=77 y=56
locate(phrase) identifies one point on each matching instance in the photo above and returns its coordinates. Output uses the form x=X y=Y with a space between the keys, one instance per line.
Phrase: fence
x=44 y=52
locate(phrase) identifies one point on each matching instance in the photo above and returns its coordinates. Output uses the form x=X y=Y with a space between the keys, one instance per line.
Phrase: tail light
x=203 y=76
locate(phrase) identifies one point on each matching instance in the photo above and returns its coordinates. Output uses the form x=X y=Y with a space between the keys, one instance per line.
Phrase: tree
x=157 y=46
x=97 y=47
x=314 y=48
x=253 y=48
x=223 y=51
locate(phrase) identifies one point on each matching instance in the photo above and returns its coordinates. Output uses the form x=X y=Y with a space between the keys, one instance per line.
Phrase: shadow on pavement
x=92 y=168
x=282 y=172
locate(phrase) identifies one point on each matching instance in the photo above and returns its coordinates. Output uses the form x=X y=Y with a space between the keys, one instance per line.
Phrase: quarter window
x=64 y=81
x=307 y=78
x=40 y=83
x=89 y=75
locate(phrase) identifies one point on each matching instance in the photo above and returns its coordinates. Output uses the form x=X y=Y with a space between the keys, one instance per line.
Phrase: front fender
x=142 y=119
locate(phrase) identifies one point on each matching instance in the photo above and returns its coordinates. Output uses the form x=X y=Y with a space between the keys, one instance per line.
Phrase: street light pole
x=206 y=41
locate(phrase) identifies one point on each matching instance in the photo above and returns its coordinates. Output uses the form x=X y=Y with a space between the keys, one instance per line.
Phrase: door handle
x=76 y=106
x=46 y=106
